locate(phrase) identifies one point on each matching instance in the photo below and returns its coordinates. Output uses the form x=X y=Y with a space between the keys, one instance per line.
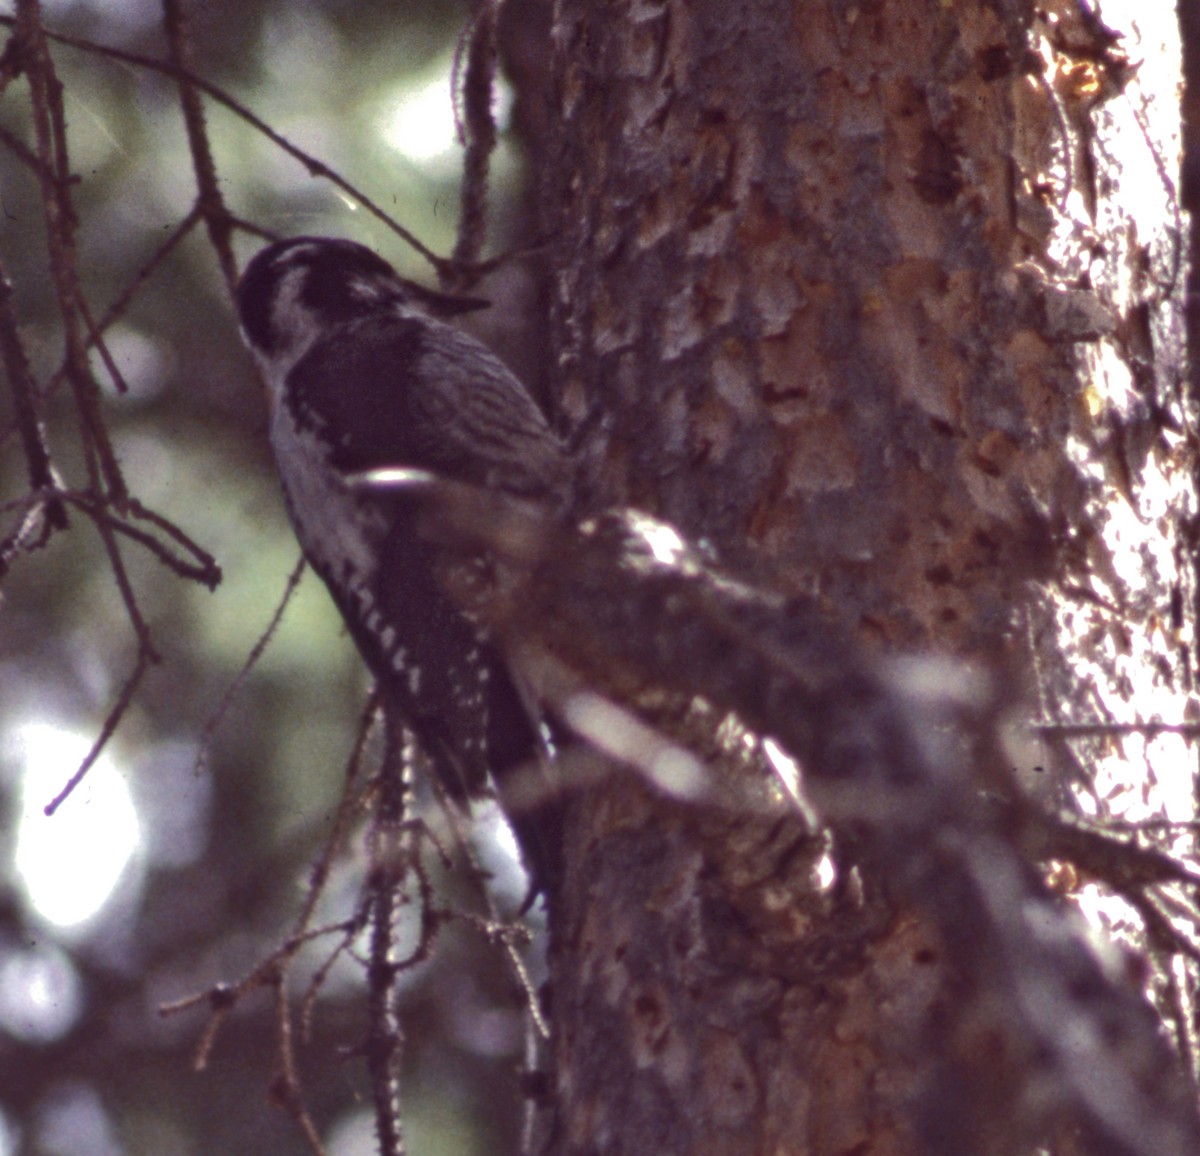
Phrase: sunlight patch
x=71 y=862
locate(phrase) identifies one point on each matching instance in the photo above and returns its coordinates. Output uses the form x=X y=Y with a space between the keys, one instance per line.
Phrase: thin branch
x=349 y=802
x=211 y=203
x=1098 y=729
x=208 y=573
x=123 y=300
x=30 y=532
x=495 y=928
x=95 y=340
x=315 y=167
x=26 y=406
x=287 y=1085
x=54 y=173
x=392 y=863
x=23 y=152
x=274 y=970
x=204 y=569
x=146 y=657
x=121 y=303
x=477 y=129
x=222 y=998
x=125 y=587
x=217 y=717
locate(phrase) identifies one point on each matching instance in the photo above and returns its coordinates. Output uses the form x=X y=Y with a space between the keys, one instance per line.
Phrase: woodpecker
x=363 y=373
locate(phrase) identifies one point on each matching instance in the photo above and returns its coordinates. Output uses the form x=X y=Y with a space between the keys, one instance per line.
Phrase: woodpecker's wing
x=392 y=390
x=432 y=664
x=406 y=391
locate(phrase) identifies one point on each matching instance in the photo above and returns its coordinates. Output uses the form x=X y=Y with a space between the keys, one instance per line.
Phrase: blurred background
x=182 y=860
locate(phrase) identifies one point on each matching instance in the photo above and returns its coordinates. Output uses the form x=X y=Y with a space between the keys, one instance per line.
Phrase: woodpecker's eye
x=340 y=279
x=332 y=280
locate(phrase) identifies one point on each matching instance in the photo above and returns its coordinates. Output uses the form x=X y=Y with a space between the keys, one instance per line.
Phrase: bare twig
x=95 y=340
x=287 y=1086
x=123 y=300
x=393 y=862
x=496 y=929
x=22 y=151
x=146 y=657
x=26 y=406
x=1099 y=729
x=477 y=129
x=207 y=572
x=315 y=167
x=222 y=998
x=210 y=202
x=202 y=567
x=251 y=661
x=54 y=173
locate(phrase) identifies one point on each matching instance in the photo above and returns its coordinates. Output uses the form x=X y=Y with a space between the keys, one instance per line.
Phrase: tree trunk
x=860 y=293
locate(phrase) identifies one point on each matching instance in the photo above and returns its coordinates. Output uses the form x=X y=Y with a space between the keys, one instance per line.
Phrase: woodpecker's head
x=297 y=290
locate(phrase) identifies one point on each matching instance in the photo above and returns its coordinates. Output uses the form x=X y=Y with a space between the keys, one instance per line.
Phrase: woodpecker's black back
x=361 y=377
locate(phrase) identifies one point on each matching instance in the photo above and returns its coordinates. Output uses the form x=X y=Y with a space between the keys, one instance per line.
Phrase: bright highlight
x=69 y=863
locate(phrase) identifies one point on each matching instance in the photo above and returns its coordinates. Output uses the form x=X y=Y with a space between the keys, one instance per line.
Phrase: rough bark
x=850 y=291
